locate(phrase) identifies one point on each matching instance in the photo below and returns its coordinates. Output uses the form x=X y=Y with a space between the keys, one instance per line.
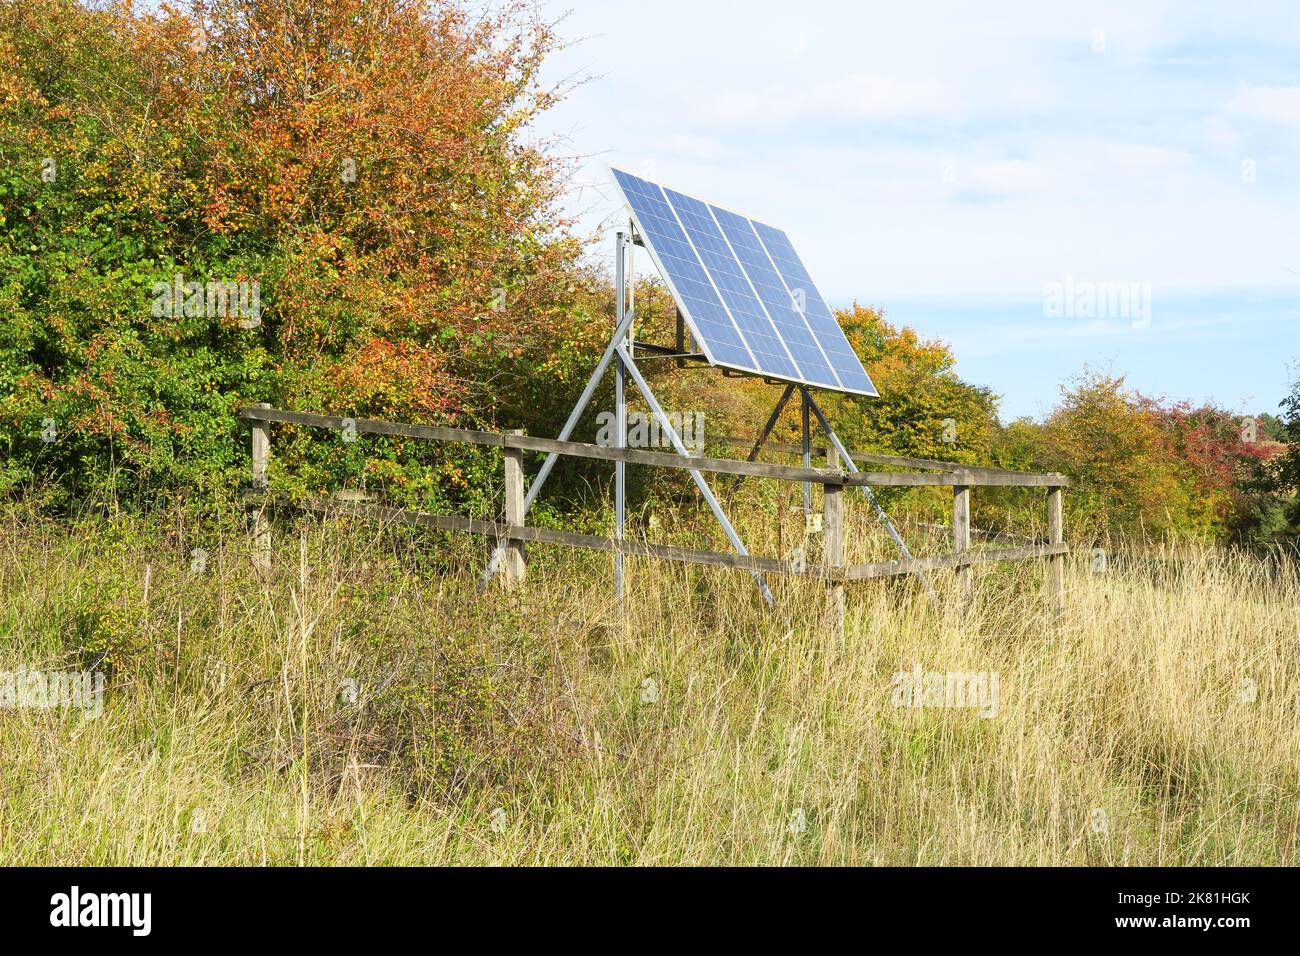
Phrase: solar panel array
x=743 y=290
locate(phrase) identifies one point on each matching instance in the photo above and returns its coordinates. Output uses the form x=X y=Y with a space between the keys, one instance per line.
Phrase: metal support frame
x=619 y=352
x=570 y=424
x=762 y=438
x=681 y=339
x=645 y=350
x=834 y=439
x=620 y=410
x=667 y=426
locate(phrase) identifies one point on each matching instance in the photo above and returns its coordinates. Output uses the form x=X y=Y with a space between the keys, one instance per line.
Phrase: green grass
x=1153 y=723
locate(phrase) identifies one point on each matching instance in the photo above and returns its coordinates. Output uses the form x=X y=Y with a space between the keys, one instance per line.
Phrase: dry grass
x=1155 y=723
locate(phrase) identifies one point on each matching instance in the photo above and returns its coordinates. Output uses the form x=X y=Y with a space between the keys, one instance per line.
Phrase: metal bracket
x=852 y=468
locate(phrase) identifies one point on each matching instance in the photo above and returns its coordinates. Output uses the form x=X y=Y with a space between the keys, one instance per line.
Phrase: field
x=364 y=705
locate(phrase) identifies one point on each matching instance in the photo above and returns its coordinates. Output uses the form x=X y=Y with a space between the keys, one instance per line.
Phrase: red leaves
x=401 y=380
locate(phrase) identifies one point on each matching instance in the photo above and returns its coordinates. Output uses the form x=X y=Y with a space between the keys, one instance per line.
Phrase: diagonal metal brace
x=700 y=483
x=875 y=503
x=762 y=438
x=535 y=486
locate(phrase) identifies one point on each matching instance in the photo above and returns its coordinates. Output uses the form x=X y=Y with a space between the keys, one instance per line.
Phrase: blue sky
x=949 y=162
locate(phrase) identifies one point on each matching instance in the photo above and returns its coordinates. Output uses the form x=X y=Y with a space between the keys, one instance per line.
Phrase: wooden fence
x=513 y=532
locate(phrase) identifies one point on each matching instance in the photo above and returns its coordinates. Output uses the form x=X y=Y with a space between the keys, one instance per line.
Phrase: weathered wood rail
x=513 y=532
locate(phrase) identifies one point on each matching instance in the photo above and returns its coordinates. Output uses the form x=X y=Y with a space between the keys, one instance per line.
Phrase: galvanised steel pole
x=620 y=412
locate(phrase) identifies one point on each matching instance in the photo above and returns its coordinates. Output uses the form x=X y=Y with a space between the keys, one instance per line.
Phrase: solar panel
x=743 y=290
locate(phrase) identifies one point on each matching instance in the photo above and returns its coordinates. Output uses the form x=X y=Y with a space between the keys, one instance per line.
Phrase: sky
x=982 y=171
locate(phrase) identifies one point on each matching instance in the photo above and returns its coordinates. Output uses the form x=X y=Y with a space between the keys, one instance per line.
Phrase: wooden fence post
x=961 y=534
x=514 y=550
x=833 y=549
x=1056 y=535
x=261 y=464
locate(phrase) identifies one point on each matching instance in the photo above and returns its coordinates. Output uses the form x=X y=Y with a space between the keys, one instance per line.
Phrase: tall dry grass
x=1155 y=722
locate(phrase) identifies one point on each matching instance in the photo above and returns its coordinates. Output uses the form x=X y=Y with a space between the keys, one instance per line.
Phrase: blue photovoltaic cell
x=820 y=319
x=743 y=290
x=729 y=278
x=776 y=299
x=686 y=277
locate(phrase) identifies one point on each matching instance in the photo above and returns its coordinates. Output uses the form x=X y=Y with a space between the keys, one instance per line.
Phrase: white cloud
x=1273 y=104
x=1065 y=161
x=1002 y=180
x=853 y=97
x=1222 y=135
x=691 y=146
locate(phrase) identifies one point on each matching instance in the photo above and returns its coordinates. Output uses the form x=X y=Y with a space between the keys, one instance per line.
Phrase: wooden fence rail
x=513 y=532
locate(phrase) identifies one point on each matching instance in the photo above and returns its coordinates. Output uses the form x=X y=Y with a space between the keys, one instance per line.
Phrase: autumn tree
x=1139 y=466
x=366 y=166
x=1273 y=488
x=925 y=409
